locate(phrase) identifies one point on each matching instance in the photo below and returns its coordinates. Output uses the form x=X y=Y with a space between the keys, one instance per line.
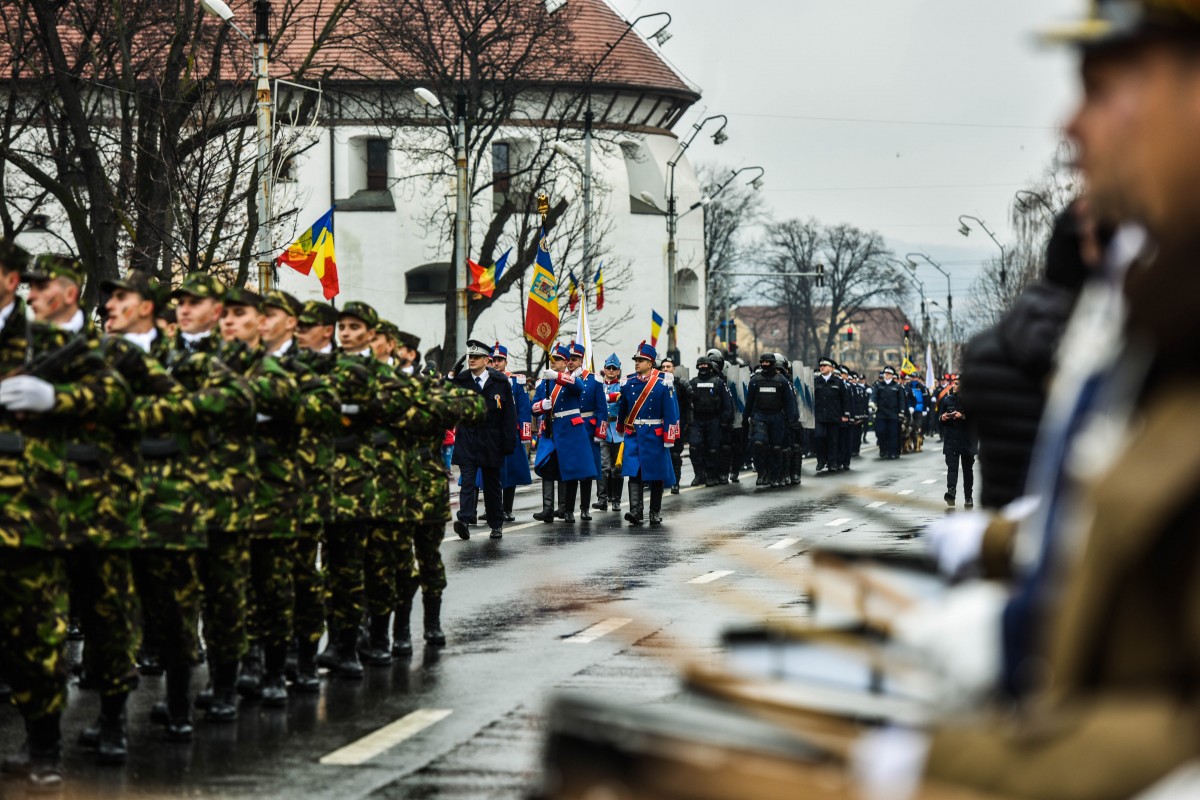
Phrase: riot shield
x=802 y=379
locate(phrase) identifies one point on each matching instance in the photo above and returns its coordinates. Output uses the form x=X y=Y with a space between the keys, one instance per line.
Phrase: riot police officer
x=711 y=416
x=770 y=408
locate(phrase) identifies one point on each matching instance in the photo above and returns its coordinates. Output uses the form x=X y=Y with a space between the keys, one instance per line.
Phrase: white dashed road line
x=782 y=544
x=712 y=576
x=385 y=738
x=876 y=504
x=838 y=521
x=599 y=629
x=904 y=491
x=930 y=482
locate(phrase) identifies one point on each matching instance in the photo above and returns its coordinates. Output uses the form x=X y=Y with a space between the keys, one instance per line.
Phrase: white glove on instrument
x=349 y=410
x=26 y=393
x=956 y=541
x=549 y=375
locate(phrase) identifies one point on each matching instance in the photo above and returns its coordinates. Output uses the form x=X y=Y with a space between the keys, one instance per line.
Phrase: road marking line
x=712 y=576
x=782 y=544
x=599 y=629
x=454 y=537
x=905 y=491
x=838 y=521
x=876 y=504
x=930 y=482
x=385 y=738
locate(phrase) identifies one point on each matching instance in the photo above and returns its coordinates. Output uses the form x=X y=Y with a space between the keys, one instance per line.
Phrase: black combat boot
x=224 y=706
x=656 y=495
x=39 y=760
x=547 y=512
x=307 y=680
x=569 y=492
x=602 y=484
x=249 y=683
x=111 y=732
x=510 y=497
x=149 y=661
x=433 y=620
x=585 y=500
x=697 y=467
x=378 y=652
x=401 y=630
x=348 y=666
x=179 y=706
x=328 y=657
x=615 y=488
x=274 y=682
x=634 y=515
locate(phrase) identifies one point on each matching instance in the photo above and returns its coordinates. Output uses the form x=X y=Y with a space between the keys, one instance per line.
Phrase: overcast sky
x=893 y=115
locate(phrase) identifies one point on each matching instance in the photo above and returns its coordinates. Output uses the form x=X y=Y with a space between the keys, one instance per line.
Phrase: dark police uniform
x=770 y=409
x=891 y=404
x=711 y=417
x=831 y=404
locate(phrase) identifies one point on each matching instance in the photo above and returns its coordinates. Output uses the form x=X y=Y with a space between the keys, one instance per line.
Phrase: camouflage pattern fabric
x=319 y=417
x=389 y=564
x=309 y=580
x=224 y=572
x=102 y=590
x=354 y=464
x=345 y=544
x=449 y=406
x=271 y=597
x=171 y=601
x=430 y=572
x=33 y=627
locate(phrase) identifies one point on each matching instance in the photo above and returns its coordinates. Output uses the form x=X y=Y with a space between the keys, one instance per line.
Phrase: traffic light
x=907 y=330
x=849 y=333
x=820 y=276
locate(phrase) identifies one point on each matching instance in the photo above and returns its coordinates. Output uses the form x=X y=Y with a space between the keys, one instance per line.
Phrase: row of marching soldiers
x=151 y=480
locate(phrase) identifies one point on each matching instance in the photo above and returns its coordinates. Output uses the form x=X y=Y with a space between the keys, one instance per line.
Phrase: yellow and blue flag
x=314 y=250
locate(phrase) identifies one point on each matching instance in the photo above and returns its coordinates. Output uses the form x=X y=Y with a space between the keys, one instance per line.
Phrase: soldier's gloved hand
x=549 y=375
x=350 y=410
x=26 y=393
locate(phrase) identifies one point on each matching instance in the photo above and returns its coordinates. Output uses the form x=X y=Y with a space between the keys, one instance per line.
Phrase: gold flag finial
x=543 y=206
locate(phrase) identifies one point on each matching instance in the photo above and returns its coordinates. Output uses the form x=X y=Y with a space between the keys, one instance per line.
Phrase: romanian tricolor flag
x=314 y=250
x=656 y=322
x=599 y=283
x=573 y=294
x=484 y=279
x=541 y=309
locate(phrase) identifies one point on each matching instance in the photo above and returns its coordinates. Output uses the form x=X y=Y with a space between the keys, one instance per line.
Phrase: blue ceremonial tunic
x=594 y=407
x=568 y=433
x=656 y=425
x=614 y=435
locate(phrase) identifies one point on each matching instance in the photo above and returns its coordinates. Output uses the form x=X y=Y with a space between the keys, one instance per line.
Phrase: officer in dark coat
x=711 y=415
x=958 y=446
x=831 y=408
x=484 y=446
x=890 y=403
x=770 y=408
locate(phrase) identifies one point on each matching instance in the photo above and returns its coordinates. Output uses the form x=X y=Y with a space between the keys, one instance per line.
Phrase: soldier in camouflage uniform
x=318 y=417
x=273 y=520
x=429 y=509
x=64 y=382
x=225 y=470
x=171 y=423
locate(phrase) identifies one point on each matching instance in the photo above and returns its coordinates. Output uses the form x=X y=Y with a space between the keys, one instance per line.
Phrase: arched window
x=687 y=289
x=427 y=283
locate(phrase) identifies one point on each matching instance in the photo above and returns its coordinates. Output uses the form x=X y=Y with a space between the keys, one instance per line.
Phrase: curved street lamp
x=906 y=268
x=949 y=297
x=1025 y=199
x=965 y=230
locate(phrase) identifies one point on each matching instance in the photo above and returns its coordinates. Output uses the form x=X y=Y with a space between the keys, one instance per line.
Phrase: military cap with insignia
x=141 y=283
x=478 y=348
x=12 y=255
x=277 y=298
x=1118 y=22
x=47 y=266
x=362 y=311
x=317 y=313
x=202 y=285
x=241 y=296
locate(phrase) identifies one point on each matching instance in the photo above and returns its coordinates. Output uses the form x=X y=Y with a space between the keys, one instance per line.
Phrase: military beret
x=141 y=283
x=12 y=255
x=409 y=340
x=317 y=313
x=362 y=311
x=280 y=299
x=202 y=285
x=241 y=296
x=47 y=266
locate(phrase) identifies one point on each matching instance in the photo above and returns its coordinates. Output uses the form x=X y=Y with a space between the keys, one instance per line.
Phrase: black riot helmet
x=703 y=364
x=767 y=362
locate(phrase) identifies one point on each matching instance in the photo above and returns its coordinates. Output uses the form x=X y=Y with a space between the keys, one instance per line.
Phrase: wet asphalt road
x=511 y=612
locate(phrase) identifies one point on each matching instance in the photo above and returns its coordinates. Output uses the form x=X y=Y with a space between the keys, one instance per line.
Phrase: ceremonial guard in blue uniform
x=564 y=451
x=649 y=415
x=515 y=471
x=594 y=410
x=612 y=486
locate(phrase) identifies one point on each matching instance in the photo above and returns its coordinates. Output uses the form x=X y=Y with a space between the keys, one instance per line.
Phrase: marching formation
x=152 y=477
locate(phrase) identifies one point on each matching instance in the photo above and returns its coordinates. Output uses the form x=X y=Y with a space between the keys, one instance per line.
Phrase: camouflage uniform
x=41 y=485
x=225 y=469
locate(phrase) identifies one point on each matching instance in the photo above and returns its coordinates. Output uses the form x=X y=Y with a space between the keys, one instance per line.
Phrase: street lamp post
x=756 y=182
x=965 y=230
x=673 y=216
x=462 y=209
x=261 y=43
x=949 y=299
x=906 y=269
x=1026 y=198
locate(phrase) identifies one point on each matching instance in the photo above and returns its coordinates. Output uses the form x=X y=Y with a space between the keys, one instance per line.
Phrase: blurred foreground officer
x=61 y=382
x=649 y=414
x=1109 y=675
x=712 y=415
x=516 y=466
x=482 y=447
x=770 y=409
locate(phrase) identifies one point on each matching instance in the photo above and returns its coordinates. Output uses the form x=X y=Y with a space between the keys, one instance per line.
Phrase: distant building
x=873 y=339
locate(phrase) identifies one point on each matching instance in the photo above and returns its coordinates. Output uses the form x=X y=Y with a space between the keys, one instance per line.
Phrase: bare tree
x=728 y=221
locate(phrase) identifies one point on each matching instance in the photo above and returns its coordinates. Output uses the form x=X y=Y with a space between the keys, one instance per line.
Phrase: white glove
x=350 y=410
x=887 y=763
x=957 y=637
x=26 y=393
x=261 y=418
x=956 y=540
x=549 y=375
x=911 y=409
